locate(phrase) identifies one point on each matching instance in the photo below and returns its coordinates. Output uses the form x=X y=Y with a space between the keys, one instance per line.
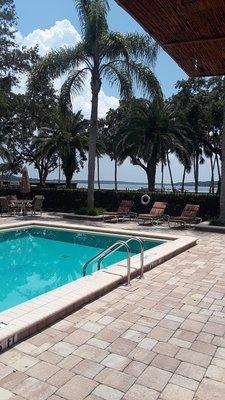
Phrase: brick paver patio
x=162 y=338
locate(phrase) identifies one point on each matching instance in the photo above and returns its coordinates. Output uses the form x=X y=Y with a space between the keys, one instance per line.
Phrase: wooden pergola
x=192 y=32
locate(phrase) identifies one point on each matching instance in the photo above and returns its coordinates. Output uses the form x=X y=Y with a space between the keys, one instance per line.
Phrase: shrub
x=90 y=211
x=69 y=200
x=216 y=222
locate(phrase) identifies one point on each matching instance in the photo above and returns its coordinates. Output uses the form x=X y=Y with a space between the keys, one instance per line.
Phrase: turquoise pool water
x=34 y=261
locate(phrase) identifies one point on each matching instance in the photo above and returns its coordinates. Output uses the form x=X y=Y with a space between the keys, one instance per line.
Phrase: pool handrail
x=116 y=246
x=108 y=251
x=134 y=238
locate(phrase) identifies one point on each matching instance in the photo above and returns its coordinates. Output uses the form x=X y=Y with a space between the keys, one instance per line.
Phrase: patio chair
x=35 y=205
x=187 y=217
x=7 y=207
x=156 y=214
x=12 y=198
x=124 y=211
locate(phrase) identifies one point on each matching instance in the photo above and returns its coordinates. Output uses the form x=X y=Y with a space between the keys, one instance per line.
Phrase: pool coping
x=28 y=318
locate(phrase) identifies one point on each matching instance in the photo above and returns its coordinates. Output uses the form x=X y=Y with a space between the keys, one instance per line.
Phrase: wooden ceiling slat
x=191 y=31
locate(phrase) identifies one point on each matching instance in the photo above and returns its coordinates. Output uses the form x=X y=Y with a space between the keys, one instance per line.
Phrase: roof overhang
x=192 y=32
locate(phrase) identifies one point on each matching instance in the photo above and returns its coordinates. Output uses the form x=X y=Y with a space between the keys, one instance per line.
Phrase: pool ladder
x=116 y=246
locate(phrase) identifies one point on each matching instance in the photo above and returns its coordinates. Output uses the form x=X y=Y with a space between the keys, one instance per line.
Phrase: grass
x=92 y=212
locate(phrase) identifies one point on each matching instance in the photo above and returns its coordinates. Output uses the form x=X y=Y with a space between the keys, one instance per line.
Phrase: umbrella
x=25 y=183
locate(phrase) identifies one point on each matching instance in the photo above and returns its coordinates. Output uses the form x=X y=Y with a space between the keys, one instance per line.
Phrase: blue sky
x=43 y=14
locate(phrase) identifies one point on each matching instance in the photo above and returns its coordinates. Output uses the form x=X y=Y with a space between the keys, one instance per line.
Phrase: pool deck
x=162 y=338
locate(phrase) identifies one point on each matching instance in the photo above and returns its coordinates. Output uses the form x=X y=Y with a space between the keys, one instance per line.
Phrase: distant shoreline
x=201 y=183
x=112 y=183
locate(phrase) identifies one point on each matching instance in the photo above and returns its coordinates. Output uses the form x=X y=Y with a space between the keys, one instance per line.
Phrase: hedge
x=70 y=200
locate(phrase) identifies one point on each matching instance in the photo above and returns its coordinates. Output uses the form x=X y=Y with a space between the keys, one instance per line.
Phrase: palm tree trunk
x=219 y=175
x=162 y=176
x=183 y=180
x=222 y=186
x=151 y=172
x=95 y=86
x=59 y=180
x=170 y=172
x=196 y=172
x=98 y=173
x=218 y=166
x=115 y=175
x=212 y=183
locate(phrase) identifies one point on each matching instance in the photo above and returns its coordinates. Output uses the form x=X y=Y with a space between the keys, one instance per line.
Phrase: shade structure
x=192 y=32
x=25 y=183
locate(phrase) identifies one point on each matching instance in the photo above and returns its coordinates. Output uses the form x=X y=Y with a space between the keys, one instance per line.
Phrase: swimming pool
x=36 y=260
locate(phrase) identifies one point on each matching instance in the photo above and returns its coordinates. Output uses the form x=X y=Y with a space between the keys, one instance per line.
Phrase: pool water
x=34 y=261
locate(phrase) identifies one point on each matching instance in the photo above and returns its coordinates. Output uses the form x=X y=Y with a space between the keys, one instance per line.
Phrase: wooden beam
x=195 y=41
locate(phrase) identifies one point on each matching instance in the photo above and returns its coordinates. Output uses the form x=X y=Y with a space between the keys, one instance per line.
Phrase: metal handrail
x=119 y=244
x=141 y=253
x=108 y=251
x=116 y=246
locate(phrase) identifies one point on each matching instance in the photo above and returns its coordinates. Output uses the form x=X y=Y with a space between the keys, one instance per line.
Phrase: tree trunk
x=59 y=180
x=183 y=180
x=170 y=172
x=45 y=175
x=98 y=173
x=151 y=172
x=115 y=175
x=162 y=176
x=218 y=166
x=95 y=87
x=40 y=173
x=222 y=186
x=212 y=183
x=196 y=172
x=68 y=182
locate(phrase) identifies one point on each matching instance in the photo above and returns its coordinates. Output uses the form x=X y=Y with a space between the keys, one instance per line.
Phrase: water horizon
x=138 y=186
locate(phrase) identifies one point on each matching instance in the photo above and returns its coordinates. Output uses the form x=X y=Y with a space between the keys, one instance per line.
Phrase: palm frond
x=82 y=7
x=58 y=62
x=117 y=76
x=141 y=47
x=72 y=86
x=145 y=79
x=132 y=46
x=93 y=16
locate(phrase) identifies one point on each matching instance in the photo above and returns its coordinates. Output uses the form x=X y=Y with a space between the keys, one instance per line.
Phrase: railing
x=141 y=253
x=110 y=250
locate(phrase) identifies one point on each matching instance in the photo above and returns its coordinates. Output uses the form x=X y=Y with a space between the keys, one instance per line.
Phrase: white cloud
x=61 y=34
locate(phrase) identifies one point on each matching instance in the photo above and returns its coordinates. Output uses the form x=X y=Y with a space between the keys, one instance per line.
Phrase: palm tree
x=112 y=123
x=148 y=132
x=68 y=141
x=120 y=58
x=100 y=147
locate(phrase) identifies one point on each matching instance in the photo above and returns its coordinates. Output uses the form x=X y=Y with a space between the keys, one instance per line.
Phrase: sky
x=54 y=23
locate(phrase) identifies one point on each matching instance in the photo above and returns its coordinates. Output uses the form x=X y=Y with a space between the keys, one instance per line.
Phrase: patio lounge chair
x=36 y=204
x=156 y=214
x=188 y=216
x=7 y=207
x=124 y=211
